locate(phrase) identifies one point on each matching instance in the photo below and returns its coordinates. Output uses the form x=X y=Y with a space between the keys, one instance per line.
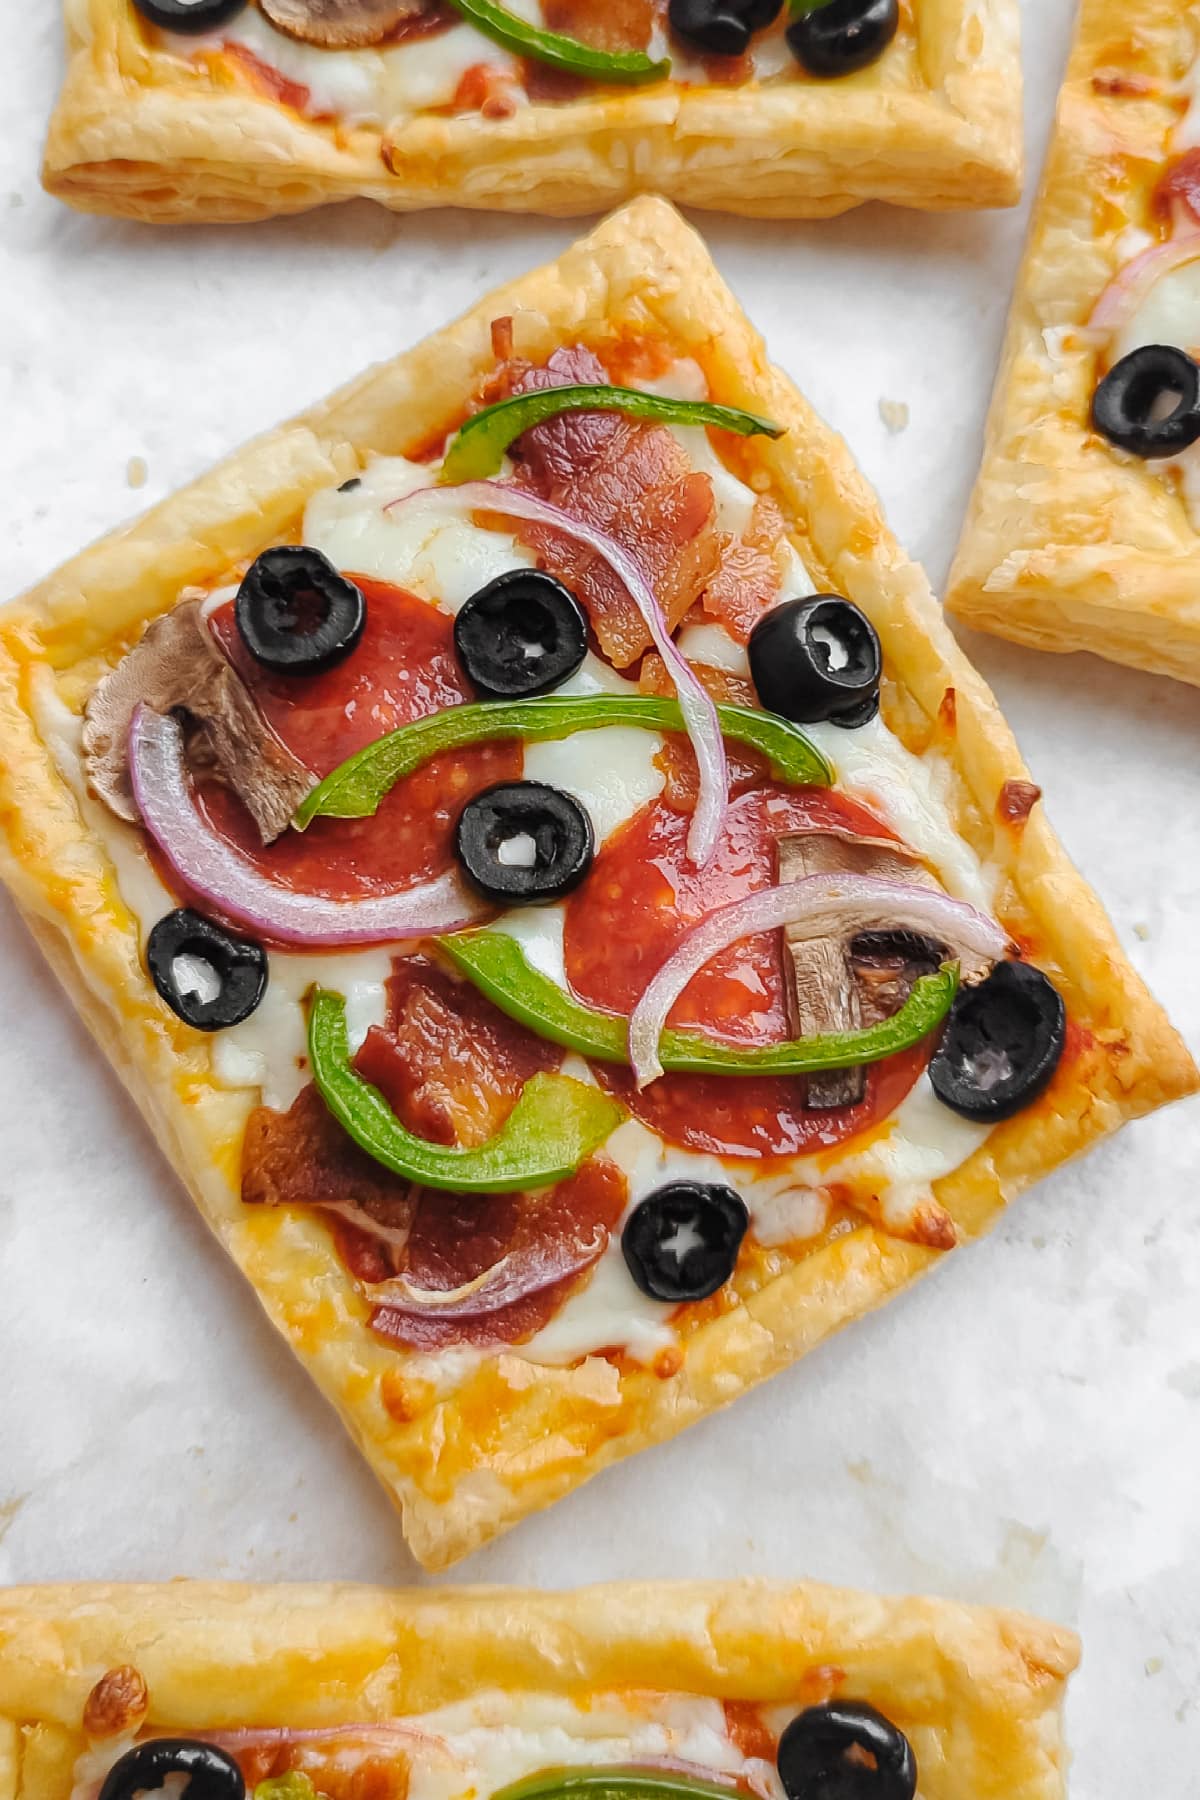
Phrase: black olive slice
x=210 y=979
x=296 y=614
x=189 y=15
x=522 y=842
x=817 y=658
x=212 y=1773
x=843 y=35
x=524 y=633
x=845 y=1750
x=722 y=27
x=1002 y=1043
x=854 y=716
x=682 y=1241
x=1149 y=402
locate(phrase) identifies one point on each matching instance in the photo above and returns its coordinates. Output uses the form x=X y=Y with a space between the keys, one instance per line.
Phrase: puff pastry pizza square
x=240 y=109
x=681 y=1691
x=1084 y=527
x=514 y=1227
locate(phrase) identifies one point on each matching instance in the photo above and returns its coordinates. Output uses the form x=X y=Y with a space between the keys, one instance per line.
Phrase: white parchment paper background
x=1024 y=1427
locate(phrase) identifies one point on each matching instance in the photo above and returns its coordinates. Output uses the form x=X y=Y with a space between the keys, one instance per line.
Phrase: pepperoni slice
x=641 y=898
x=403 y=669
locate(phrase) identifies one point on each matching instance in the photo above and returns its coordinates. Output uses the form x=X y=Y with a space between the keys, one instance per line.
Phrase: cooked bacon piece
x=458 y=1236
x=452 y=1067
x=450 y=1064
x=722 y=684
x=303 y=1158
x=617 y=25
x=747 y=579
x=630 y=479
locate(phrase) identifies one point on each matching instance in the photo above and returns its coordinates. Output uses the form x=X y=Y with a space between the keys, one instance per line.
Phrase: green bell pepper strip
x=355 y=788
x=477 y=449
x=555 y=1125
x=499 y=968
x=615 y=1783
x=556 y=49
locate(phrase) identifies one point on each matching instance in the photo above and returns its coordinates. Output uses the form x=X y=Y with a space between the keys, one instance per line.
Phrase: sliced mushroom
x=348 y=24
x=178 y=667
x=840 y=985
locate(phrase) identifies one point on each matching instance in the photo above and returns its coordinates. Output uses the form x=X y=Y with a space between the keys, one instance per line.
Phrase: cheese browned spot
x=117 y=1704
x=1017 y=800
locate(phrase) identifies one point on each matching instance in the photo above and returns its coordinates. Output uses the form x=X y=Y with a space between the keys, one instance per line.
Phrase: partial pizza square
x=566 y=907
x=180 y=110
x=292 y=1692
x=1084 y=527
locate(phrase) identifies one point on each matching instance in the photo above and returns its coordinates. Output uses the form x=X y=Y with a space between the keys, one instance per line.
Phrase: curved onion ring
x=211 y=869
x=699 y=712
x=1130 y=285
x=822 y=906
x=515 y=1277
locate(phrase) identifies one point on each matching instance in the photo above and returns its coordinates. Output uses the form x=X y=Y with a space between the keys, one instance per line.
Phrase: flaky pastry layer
x=1070 y=545
x=513 y=1436
x=978 y=1692
x=148 y=135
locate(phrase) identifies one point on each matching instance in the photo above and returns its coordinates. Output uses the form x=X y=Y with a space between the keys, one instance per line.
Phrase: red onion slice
x=515 y=1277
x=210 y=868
x=823 y=906
x=699 y=713
x=1130 y=285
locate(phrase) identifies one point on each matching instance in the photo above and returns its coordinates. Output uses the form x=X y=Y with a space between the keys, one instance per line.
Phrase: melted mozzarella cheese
x=1169 y=314
x=910 y=793
x=388 y=85
x=611 y=772
x=481 y=1744
x=364 y=87
x=444 y=560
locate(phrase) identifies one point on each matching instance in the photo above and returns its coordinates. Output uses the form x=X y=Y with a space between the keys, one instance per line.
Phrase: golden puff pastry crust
x=937 y=123
x=1069 y=544
x=512 y=1436
x=978 y=1692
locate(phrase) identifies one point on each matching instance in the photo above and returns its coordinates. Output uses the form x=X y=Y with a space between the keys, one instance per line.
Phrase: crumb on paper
x=1142 y=931
x=136 y=471
x=1153 y=1665
x=894 y=414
